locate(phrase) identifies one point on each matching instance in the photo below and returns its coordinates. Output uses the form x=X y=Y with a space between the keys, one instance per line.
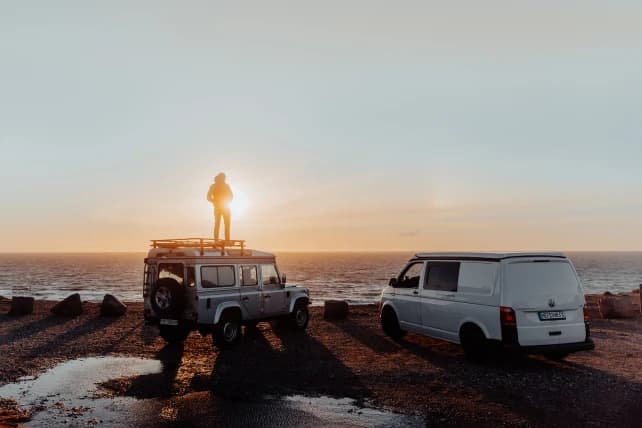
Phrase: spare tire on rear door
x=167 y=298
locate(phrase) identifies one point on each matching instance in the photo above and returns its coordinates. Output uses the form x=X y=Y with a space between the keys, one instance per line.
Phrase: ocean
x=356 y=277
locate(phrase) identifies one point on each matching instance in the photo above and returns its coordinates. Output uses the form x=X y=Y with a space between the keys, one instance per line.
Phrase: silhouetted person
x=220 y=195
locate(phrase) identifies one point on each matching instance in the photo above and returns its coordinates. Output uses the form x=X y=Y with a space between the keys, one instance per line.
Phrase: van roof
x=486 y=256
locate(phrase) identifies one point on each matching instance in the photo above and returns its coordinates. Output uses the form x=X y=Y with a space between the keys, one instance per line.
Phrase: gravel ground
x=349 y=358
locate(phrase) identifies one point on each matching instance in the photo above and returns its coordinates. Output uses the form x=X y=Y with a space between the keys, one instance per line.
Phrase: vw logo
x=551 y=303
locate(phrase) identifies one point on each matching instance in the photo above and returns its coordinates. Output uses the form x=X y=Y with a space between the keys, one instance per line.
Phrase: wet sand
x=345 y=359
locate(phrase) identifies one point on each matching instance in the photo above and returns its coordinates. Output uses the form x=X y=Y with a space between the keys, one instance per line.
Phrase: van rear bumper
x=587 y=345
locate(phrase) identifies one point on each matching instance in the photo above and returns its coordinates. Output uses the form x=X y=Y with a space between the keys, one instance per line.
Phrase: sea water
x=356 y=277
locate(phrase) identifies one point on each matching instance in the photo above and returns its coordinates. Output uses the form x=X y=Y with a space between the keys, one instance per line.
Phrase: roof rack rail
x=201 y=243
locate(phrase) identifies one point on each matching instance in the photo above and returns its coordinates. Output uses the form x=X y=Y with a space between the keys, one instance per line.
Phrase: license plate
x=165 y=321
x=552 y=315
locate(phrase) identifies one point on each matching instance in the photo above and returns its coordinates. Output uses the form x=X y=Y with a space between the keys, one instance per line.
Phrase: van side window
x=217 y=276
x=248 y=275
x=269 y=275
x=410 y=277
x=442 y=276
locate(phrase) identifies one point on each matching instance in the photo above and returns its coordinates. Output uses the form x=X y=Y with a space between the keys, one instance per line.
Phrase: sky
x=344 y=125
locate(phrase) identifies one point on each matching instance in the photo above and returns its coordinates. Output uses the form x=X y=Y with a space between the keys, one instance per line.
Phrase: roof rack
x=201 y=243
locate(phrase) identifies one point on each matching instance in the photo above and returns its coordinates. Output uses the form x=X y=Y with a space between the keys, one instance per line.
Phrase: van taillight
x=586 y=314
x=507 y=316
x=509 y=325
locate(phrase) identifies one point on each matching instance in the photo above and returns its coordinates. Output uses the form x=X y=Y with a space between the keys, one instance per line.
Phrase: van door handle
x=267 y=297
x=448 y=294
x=245 y=299
x=415 y=292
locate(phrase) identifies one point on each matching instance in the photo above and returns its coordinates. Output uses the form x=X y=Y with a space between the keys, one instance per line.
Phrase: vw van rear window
x=532 y=280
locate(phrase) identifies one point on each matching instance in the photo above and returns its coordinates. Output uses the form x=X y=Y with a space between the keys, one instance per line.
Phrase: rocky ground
x=349 y=358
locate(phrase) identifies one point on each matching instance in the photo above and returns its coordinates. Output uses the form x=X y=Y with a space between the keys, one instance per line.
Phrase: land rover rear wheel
x=167 y=298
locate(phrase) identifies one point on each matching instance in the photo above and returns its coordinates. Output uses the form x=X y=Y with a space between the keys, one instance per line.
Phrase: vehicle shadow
x=34 y=327
x=533 y=389
x=59 y=341
x=360 y=331
x=276 y=361
x=154 y=385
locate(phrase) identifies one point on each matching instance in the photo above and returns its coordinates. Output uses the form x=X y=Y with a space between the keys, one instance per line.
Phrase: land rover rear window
x=171 y=270
x=442 y=276
x=217 y=276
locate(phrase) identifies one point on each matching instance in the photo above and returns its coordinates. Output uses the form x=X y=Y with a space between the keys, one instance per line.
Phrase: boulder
x=21 y=306
x=335 y=309
x=613 y=306
x=70 y=307
x=112 y=307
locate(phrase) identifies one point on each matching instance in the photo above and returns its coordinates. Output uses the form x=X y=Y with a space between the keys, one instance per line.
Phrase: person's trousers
x=225 y=213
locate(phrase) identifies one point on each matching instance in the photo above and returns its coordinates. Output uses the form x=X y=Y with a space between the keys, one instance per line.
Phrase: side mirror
x=392 y=282
x=283 y=279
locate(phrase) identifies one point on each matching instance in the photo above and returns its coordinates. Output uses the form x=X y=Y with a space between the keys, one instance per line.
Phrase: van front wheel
x=390 y=324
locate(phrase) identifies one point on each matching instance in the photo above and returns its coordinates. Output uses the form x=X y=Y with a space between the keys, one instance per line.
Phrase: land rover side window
x=248 y=275
x=171 y=270
x=269 y=274
x=410 y=277
x=217 y=276
x=442 y=276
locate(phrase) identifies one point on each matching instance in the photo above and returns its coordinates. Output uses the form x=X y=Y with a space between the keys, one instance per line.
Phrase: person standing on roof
x=220 y=195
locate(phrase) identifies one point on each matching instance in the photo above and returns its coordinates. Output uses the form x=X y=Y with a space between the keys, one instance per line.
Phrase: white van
x=530 y=301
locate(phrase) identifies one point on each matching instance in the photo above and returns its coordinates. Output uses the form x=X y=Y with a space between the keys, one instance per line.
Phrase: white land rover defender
x=215 y=286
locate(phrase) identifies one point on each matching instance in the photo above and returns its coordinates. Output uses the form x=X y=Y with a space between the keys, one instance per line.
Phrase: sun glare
x=239 y=204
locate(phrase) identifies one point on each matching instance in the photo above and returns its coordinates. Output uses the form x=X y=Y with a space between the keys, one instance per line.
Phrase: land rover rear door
x=217 y=284
x=251 y=302
x=275 y=298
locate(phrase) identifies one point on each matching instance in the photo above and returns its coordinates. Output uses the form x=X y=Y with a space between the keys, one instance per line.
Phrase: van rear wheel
x=390 y=324
x=476 y=347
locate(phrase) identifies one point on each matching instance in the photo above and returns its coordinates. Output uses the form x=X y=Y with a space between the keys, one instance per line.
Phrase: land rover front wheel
x=300 y=316
x=167 y=298
x=173 y=334
x=228 y=331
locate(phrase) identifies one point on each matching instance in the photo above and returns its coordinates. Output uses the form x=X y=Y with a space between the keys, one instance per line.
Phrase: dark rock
x=335 y=309
x=112 y=307
x=612 y=306
x=21 y=306
x=70 y=307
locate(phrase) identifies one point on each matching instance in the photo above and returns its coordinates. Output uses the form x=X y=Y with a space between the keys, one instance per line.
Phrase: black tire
x=173 y=334
x=300 y=316
x=227 y=332
x=476 y=347
x=390 y=324
x=167 y=298
x=557 y=356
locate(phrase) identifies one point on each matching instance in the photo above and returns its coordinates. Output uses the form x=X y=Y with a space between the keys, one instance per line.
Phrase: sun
x=239 y=204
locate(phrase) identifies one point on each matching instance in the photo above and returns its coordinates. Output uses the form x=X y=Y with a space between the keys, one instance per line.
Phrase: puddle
x=64 y=396
x=345 y=412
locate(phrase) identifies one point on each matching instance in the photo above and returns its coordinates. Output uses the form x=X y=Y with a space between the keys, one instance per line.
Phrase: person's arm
x=229 y=190
x=210 y=195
